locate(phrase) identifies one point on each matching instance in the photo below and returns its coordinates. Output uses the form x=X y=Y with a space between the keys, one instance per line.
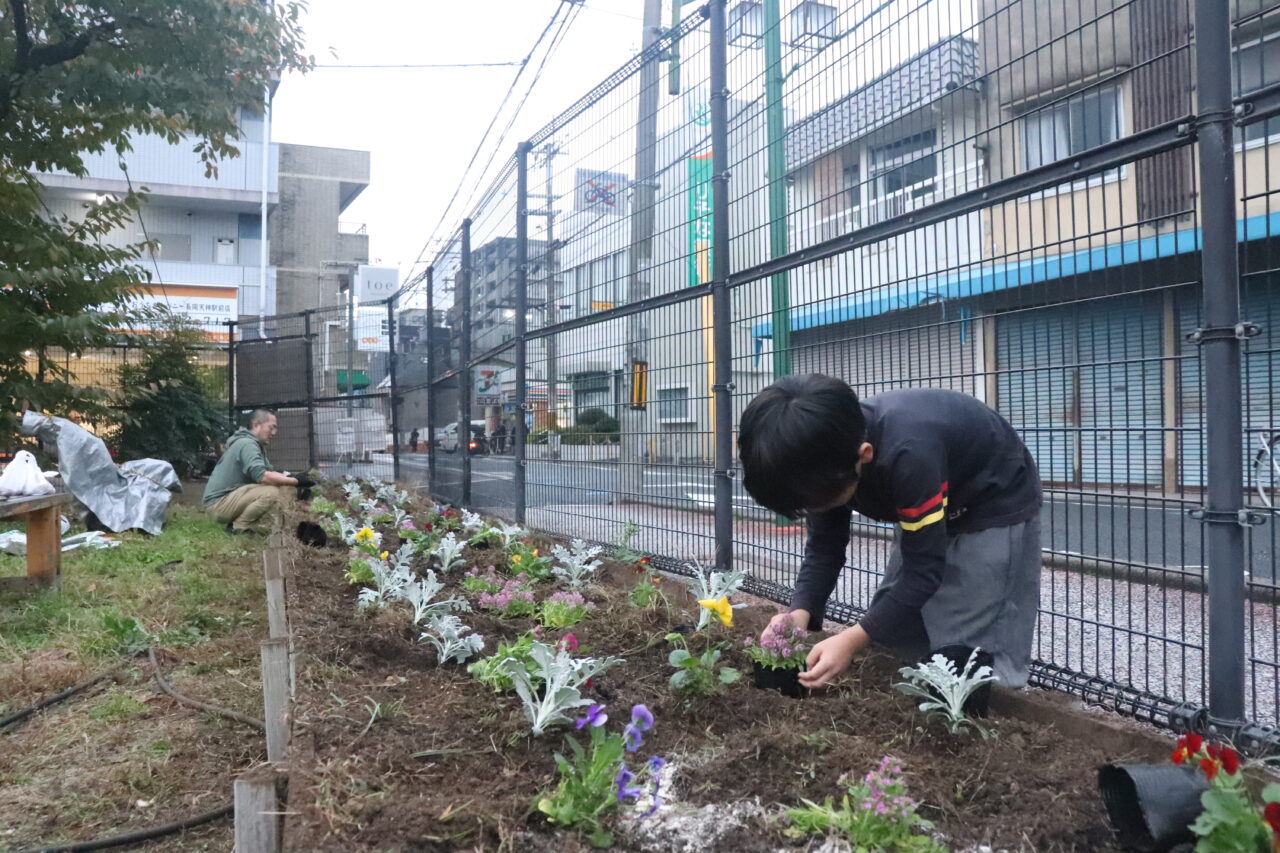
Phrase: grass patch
x=181 y=587
x=116 y=704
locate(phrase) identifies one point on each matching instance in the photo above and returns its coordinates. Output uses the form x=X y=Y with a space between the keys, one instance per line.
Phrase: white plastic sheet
x=23 y=478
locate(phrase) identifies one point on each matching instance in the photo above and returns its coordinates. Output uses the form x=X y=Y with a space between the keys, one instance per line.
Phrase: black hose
x=137 y=836
x=18 y=716
x=194 y=703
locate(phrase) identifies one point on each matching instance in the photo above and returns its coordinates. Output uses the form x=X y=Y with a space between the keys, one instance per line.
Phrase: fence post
x=464 y=362
x=309 y=353
x=1220 y=348
x=522 y=308
x=431 y=381
x=231 y=373
x=395 y=403
x=721 y=309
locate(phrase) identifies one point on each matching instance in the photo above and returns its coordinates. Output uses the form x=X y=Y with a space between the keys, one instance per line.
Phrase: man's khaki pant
x=247 y=505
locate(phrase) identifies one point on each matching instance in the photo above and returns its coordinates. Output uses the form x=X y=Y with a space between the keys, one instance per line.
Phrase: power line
x=555 y=16
x=151 y=250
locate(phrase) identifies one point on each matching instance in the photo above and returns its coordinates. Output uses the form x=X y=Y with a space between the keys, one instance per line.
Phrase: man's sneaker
x=234 y=532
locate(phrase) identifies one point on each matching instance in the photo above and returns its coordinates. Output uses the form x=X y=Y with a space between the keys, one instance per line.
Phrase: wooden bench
x=44 y=538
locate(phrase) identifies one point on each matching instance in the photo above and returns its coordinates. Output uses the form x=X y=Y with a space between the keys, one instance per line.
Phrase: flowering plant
x=874 y=814
x=720 y=608
x=1230 y=820
x=390 y=577
x=592 y=784
x=445 y=632
x=648 y=588
x=360 y=568
x=564 y=609
x=524 y=559
x=784 y=646
x=575 y=563
x=561 y=675
x=713 y=586
x=698 y=675
x=483 y=580
x=945 y=690
x=323 y=506
x=514 y=599
x=622 y=550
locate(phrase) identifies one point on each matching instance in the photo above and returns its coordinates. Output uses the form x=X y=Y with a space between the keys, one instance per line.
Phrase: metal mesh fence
x=1062 y=210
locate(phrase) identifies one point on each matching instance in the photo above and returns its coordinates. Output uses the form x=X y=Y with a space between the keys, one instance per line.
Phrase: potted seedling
x=778 y=658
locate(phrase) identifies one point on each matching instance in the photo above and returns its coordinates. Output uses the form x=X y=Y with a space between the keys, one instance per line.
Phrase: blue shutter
x=1190 y=392
x=1035 y=356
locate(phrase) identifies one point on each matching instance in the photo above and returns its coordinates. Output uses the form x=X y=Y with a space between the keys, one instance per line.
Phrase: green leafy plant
x=594 y=783
x=698 y=675
x=944 y=690
x=491 y=671
x=875 y=813
x=323 y=506
x=525 y=559
x=622 y=550
x=483 y=580
x=125 y=634
x=1231 y=822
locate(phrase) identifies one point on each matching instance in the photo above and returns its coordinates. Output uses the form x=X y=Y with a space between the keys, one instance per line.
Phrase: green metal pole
x=775 y=125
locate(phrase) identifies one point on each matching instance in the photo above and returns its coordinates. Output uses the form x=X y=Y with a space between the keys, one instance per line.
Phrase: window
x=852 y=187
x=1070 y=127
x=903 y=173
x=673 y=405
x=1257 y=64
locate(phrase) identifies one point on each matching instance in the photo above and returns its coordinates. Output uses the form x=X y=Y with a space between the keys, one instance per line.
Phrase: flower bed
x=392 y=751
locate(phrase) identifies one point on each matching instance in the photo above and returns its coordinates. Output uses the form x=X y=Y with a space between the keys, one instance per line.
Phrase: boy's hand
x=831 y=657
x=797 y=618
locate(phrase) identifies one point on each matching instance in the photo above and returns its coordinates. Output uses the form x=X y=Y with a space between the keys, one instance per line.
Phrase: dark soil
x=1026 y=788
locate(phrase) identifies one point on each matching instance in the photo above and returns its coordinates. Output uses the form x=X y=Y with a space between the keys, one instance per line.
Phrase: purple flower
x=632 y=738
x=641 y=718
x=655 y=763
x=626 y=791
x=407 y=524
x=595 y=717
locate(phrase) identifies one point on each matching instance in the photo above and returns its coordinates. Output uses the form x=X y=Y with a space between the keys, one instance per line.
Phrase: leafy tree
x=166 y=412
x=85 y=77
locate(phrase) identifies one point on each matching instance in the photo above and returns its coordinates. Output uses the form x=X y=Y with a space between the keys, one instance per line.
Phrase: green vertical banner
x=700 y=219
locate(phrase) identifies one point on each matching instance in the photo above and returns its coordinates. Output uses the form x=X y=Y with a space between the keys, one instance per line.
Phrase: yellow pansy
x=364 y=535
x=721 y=608
x=517 y=558
x=384 y=555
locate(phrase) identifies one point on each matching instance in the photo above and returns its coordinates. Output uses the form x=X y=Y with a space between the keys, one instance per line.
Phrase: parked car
x=447 y=438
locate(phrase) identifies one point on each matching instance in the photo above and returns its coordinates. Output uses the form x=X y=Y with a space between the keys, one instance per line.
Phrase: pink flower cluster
x=884 y=792
x=512 y=592
x=571 y=598
x=782 y=642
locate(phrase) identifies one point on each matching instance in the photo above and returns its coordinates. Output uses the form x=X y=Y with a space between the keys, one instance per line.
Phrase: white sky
x=422 y=125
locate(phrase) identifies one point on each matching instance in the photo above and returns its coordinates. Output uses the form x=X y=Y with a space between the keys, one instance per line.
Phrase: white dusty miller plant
x=575 y=564
x=449 y=552
x=561 y=676
x=389 y=580
x=354 y=492
x=471 y=522
x=420 y=595
x=445 y=632
x=715 y=585
x=506 y=533
x=346 y=527
x=945 y=690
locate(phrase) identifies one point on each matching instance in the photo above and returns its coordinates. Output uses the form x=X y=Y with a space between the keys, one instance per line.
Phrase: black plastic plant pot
x=785 y=681
x=310 y=533
x=1151 y=806
x=979 y=702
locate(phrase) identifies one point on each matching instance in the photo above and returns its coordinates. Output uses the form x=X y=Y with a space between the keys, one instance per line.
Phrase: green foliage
x=359 y=570
x=698 y=675
x=586 y=790
x=525 y=559
x=118 y=705
x=87 y=77
x=1229 y=822
x=490 y=672
x=125 y=634
x=875 y=813
x=165 y=411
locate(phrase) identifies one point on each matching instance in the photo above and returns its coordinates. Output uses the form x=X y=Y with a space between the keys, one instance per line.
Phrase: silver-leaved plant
x=445 y=632
x=389 y=581
x=715 y=585
x=559 y=675
x=449 y=552
x=945 y=690
x=420 y=595
x=575 y=564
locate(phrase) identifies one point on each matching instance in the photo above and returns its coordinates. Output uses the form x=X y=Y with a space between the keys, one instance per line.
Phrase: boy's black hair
x=798 y=442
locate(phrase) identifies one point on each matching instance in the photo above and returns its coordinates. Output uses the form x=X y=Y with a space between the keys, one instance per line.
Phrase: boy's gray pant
x=989 y=598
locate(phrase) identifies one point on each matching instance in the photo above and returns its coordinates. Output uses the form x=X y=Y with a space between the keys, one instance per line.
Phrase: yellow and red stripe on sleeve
x=930 y=512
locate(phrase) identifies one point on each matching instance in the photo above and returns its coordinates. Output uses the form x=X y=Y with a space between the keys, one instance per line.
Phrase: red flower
x=1230 y=761
x=1209 y=767
x=1271 y=814
x=589 y=683
x=1192 y=742
x=1179 y=755
x=1214 y=751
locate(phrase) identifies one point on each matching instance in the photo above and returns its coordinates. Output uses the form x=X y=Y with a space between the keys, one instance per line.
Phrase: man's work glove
x=304 y=482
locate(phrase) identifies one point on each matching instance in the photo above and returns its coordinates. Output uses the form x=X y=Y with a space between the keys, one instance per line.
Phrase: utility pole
x=775 y=129
x=550 y=292
x=644 y=196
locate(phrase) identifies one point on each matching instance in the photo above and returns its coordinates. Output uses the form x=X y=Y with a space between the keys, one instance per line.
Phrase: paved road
x=1130 y=530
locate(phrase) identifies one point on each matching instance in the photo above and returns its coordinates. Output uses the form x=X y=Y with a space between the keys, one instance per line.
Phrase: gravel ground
x=1145 y=636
